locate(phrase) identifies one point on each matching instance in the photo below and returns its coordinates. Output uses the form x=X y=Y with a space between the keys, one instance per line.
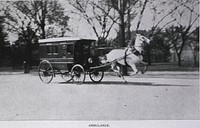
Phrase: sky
x=79 y=26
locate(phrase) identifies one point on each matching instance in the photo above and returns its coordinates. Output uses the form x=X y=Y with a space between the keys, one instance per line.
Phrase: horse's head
x=140 y=40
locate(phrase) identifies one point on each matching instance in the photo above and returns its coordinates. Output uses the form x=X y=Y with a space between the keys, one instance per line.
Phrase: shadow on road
x=123 y=84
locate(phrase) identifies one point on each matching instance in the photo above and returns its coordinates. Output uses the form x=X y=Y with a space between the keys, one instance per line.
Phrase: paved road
x=155 y=95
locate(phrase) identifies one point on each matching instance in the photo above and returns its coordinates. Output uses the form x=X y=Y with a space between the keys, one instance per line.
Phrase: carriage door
x=67 y=52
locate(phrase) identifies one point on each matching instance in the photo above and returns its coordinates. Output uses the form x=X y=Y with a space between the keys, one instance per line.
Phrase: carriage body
x=64 y=53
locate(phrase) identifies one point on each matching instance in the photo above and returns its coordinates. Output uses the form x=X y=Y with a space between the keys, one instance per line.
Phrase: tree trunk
x=43 y=31
x=28 y=58
x=123 y=44
x=179 y=60
x=44 y=12
x=195 y=59
x=129 y=22
x=122 y=27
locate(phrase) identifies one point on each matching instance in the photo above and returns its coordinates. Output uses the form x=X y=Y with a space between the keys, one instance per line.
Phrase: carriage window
x=49 y=50
x=52 y=50
x=69 y=49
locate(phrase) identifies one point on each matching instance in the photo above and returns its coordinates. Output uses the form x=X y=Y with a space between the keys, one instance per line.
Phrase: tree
x=28 y=37
x=98 y=14
x=49 y=12
x=123 y=7
x=141 y=14
x=193 y=43
x=3 y=36
x=159 y=20
x=3 y=39
x=40 y=15
x=175 y=13
x=159 y=17
x=34 y=19
x=182 y=31
x=160 y=48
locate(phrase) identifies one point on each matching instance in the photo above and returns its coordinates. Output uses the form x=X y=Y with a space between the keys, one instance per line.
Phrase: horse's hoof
x=143 y=72
x=134 y=73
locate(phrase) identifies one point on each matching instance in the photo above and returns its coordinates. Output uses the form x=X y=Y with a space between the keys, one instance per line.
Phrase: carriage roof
x=64 y=39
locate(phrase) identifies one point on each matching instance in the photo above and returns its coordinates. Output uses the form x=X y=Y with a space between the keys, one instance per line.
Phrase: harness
x=133 y=51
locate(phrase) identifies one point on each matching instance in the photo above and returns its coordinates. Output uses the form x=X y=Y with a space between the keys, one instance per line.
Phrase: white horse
x=131 y=56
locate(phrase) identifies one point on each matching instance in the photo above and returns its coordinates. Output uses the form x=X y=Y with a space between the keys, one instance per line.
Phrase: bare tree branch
x=141 y=14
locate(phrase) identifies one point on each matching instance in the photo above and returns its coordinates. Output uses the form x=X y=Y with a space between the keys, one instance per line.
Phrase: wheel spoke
x=45 y=71
x=96 y=76
x=78 y=74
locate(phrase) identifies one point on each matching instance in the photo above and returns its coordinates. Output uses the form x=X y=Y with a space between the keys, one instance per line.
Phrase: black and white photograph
x=99 y=63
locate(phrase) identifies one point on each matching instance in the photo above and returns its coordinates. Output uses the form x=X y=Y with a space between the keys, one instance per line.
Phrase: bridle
x=134 y=50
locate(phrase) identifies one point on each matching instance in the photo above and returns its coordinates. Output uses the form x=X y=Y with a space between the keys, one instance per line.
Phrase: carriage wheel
x=78 y=74
x=96 y=75
x=66 y=76
x=45 y=71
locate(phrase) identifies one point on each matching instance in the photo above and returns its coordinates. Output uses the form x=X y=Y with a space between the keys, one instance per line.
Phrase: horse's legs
x=113 y=65
x=117 y=70
x=119 y=73
x=135 y=70
x=145 y=67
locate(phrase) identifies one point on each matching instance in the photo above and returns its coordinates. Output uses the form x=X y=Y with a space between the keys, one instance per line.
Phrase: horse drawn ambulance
x=72 y=58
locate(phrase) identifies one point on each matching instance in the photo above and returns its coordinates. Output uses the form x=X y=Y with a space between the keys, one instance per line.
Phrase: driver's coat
x=119 y=54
